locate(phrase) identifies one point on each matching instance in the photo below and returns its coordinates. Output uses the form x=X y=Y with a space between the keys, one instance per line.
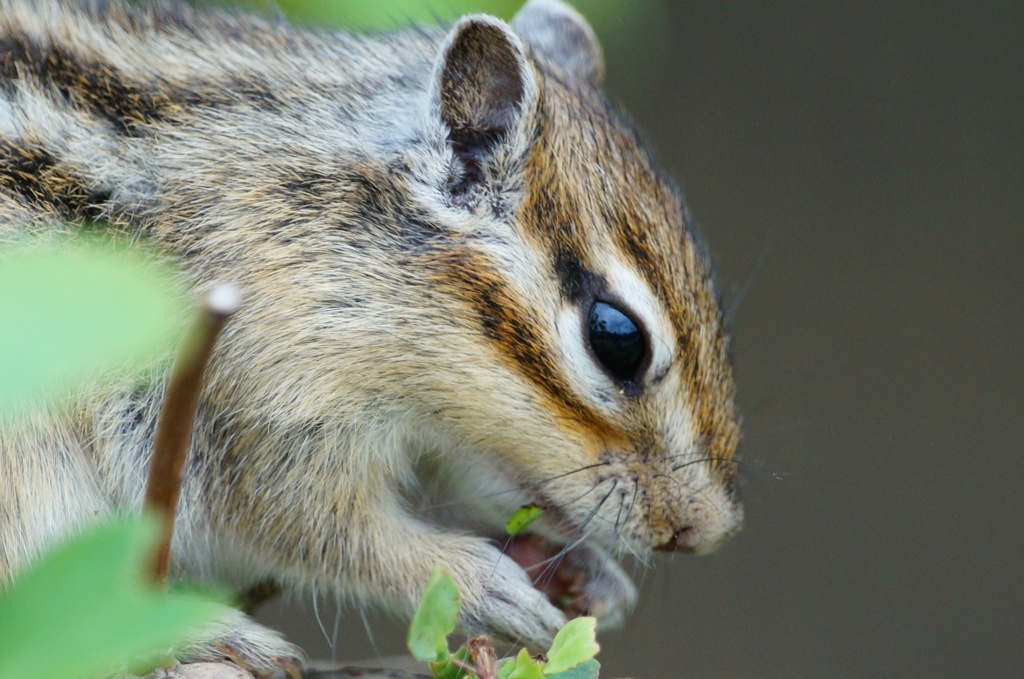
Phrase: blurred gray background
x=874 y=152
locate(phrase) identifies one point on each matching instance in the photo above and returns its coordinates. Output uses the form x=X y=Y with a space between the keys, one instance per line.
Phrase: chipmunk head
x=595 y=371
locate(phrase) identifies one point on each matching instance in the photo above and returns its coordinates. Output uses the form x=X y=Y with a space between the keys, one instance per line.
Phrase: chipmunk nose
x=684 y=540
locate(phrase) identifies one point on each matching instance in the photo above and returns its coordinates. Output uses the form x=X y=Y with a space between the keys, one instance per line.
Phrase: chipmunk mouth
x=558 y=578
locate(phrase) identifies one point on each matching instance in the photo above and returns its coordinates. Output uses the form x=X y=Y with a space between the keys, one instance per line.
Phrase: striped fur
x=419 y=222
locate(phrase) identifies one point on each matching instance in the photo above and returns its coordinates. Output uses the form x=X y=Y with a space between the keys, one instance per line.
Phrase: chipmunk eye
x=616 y=340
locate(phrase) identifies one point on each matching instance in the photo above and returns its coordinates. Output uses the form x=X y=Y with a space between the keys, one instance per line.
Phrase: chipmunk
x=467 y=288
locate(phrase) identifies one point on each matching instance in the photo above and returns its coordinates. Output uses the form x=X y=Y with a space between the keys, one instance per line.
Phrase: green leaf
x=435 y=619
x=523 y=517
x=74 y=311
x=574 y=644
x=524 y=667
x=446 y=669
x=86 y=610
x=588 y=670
x=607 y=17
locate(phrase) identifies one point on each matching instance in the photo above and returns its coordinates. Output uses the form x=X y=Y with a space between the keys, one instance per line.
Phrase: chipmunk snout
x=683 y=540
x=704 y=527
x=692 y=539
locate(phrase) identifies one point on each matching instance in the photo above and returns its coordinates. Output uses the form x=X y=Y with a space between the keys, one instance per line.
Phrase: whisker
x=337 y=627
x=552 y=563
x=592 y=488
x=562 y=553
x=719 y=507
x=319 y=619
x=638 y=562
x=556 y=560
x=516 y=489
x=504 y=549
x=632 y=506
x=679 y=486
x=572 y=542
x=758 y=263
x=644 y=566
x=618 y=531
x=366 y=626
x=709 y=458
x=739 y=463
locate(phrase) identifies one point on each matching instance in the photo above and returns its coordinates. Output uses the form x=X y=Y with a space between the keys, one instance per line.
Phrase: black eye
x=616 y=341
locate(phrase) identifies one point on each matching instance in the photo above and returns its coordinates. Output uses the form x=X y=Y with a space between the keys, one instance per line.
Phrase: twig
x=485 y=664
x=469 y=667
x=174 y=428
x=482 y=654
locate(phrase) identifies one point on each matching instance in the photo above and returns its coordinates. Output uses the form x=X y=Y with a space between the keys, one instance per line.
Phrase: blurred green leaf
x=574 y=644
x=384 y=14
x=85 y=609
x=73 y=311
x=522 y=518
x=389 y=13
x=435 y=619
x=588 y=670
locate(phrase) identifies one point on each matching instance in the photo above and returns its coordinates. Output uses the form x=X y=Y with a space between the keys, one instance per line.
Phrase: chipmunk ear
x=559 y=34
x=484 y=85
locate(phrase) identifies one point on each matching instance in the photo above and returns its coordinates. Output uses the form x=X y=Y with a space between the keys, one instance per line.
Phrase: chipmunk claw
x=507 y=606
x=250 y=646
x=291 y=666
x=606 y=591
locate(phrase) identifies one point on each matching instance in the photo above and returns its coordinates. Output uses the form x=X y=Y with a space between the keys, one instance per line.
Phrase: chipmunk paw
x=252 y=647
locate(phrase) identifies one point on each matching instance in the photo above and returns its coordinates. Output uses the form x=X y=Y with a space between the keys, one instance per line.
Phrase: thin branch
x=482 y=654
x=469 y=668
x=174 y=428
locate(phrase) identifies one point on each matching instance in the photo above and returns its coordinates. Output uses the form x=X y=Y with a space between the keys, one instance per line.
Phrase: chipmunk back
x=467 y=288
